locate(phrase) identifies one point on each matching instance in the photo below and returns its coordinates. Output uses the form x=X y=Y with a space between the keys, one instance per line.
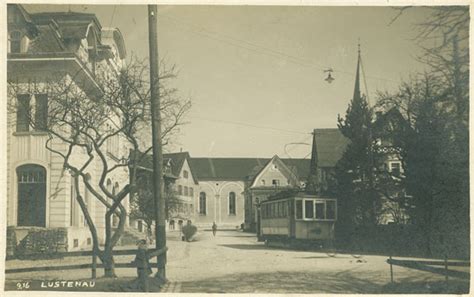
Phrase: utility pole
x=159 y=199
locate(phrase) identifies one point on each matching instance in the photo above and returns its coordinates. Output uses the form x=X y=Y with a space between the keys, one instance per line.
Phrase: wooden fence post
x=446 y=268
x=391 y=269
x=94 y=265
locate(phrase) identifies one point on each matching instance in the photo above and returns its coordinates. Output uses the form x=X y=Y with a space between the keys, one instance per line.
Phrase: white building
x=70 y=47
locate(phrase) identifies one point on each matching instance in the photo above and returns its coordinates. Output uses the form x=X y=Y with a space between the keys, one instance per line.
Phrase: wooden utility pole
x=159 y=198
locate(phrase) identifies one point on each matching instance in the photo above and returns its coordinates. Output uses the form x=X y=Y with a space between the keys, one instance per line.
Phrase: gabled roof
x=330 y=145
x=282 y=167
x=177 y=161
x=46 y=42
x=241 y=168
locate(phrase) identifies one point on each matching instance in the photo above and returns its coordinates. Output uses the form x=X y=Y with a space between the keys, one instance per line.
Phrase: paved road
x=234 y=262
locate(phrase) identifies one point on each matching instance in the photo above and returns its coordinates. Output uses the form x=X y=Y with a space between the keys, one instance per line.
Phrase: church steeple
x=312 y=185
x=357 y=95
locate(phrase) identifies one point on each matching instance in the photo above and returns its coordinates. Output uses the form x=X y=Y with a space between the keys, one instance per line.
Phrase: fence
x=431 y=266
x=92 y=265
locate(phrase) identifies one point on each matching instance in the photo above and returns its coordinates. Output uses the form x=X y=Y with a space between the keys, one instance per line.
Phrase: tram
x=301 y=220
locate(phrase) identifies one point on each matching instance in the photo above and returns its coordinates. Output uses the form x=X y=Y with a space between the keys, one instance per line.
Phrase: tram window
x=308 y=209
x=330 y=210
x=320 y=210
x=299 y=209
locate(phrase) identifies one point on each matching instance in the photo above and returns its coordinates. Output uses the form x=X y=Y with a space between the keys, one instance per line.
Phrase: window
x=15 y=41
x=276 y=182
x=202 y=203
x=315 y=209
x=180 y=190
x=191 y=191
x=331 y=210
x=395 y=168
x=320 y=210
x=185 y=174
x=232 y=203
x=41 y=112
x=308 y=209
x=186 y=193
x=299 y=209
x=263 y=182
x=23 y=113
x=31 y=195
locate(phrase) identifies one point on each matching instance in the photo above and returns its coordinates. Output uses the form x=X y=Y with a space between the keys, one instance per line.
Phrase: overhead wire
x=261 y=49
x=248 y=125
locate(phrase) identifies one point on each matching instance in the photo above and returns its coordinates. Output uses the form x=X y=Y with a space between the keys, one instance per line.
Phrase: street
x=234 y=262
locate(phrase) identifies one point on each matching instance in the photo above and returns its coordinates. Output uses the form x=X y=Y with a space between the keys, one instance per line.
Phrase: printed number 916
x=22 y=285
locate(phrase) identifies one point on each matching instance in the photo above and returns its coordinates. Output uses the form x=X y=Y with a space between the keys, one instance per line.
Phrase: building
x=42 y=48
x=227 y=188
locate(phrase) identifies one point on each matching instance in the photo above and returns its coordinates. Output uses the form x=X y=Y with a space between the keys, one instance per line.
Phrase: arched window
x=180 y=190
x=31 y=195
x=202 y=203
x=232 y=203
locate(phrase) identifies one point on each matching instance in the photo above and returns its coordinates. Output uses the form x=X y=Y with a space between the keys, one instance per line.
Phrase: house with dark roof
x=222 y=190
x=230 y=187
x=45 y=49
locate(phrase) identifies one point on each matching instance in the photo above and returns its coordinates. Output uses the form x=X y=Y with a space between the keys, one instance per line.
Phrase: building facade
x=70 y=48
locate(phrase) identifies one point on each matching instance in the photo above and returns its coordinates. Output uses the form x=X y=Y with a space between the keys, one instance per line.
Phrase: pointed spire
x=312 y=185
x=357 y=95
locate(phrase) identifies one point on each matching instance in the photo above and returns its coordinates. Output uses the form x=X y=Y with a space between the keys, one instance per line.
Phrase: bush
x=189 y=231
x=42 y=243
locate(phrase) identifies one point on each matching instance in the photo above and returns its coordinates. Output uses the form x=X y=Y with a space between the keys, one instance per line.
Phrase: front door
x=31 y=195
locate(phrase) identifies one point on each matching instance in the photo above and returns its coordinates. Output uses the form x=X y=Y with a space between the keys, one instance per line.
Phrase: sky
x=255 y=73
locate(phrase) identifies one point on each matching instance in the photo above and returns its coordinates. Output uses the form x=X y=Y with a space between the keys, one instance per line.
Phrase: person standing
x=214 y=228
x=143 y=265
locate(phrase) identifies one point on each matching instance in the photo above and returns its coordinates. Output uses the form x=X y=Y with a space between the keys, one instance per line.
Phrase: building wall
x=29 y=148
x=272 y=173
x=185 y=209
x=217 y=202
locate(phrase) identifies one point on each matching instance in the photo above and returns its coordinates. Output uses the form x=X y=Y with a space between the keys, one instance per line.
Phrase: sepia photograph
x=210 y=148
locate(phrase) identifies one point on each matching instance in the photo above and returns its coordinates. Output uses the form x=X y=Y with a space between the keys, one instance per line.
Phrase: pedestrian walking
x=214 y=228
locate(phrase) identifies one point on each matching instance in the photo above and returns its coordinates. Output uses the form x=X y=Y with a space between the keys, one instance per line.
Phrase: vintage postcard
x=211 y=148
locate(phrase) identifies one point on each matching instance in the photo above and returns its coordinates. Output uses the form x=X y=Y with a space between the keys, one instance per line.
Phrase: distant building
x=225 y=190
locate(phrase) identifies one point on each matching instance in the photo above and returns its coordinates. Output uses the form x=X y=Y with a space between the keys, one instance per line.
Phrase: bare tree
x=102 y=127
x=143 y=199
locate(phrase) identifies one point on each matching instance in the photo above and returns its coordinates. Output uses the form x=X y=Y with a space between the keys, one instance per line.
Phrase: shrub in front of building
x=42 y=243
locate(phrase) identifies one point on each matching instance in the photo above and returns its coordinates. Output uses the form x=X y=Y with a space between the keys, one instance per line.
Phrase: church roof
x=240 y=168
x=330 y=145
